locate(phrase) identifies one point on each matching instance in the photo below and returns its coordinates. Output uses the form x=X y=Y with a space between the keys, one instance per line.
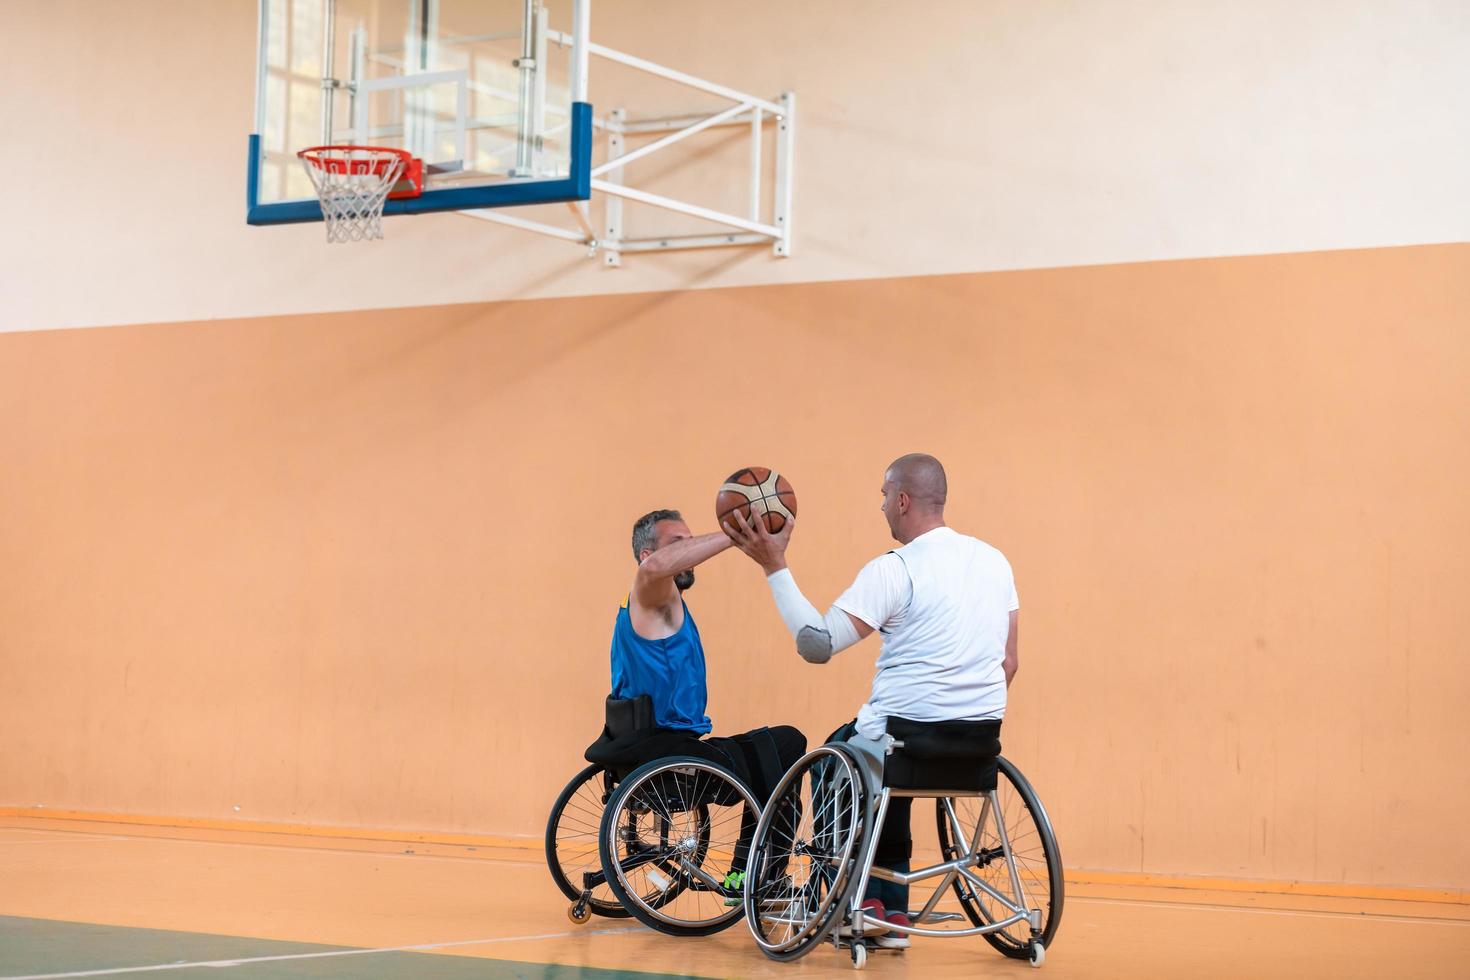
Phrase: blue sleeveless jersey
x=671 y=671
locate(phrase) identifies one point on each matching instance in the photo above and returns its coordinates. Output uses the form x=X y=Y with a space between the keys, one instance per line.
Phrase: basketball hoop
x=353 y=183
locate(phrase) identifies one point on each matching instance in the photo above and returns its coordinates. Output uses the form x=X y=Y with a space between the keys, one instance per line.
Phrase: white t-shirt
x=942 y=603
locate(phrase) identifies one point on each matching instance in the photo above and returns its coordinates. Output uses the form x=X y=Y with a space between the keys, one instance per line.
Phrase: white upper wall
x=934 y=137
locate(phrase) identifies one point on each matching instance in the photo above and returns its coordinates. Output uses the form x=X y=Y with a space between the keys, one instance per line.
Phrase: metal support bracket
x=612 y=237
x=610 y=180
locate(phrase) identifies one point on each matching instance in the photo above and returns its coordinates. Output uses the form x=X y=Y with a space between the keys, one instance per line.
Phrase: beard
x=684 y=580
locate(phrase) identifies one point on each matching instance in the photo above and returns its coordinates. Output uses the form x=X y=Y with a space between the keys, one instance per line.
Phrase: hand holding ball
x=756 y=490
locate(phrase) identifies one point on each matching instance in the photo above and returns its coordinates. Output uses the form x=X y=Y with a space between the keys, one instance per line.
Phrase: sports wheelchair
x=813 y=850
x=663 y=838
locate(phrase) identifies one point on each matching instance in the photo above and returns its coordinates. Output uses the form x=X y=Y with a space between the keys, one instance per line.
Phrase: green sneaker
x=734 y=882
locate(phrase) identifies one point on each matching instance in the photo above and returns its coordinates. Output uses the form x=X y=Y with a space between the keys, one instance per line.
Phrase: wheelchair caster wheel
x=579 y=912
x=1038 y=954
x=859 y=954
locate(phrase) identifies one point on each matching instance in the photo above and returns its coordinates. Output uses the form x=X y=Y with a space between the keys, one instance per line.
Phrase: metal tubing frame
x=680 y=207
x=1005 y=845
x=785 y=172
x=755 y=163
x=525 y=224
x=262 y=18
x=928 y=908
x=873 y=827
x=673 y=75
x=958 y=866
x=989 y=889
x=612 y=212
x=581 y=27
x=538 y=113
x=912 y=930
x=708 y=880
x=673 y=243
x=665 y=124
x=583 y=217
x=329 y=58
x=616 y=163
x=961 y=866
x=749 y=110
x=910 y=877
x=356 y=53
x=529 y=68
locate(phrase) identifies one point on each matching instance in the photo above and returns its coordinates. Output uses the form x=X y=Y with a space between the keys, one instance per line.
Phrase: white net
x=353 y=182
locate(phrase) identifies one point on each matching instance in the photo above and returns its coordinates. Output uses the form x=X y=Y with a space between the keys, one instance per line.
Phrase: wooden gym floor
x=104 y=899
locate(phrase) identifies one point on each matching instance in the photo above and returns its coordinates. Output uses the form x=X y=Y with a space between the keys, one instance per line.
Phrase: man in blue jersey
x=656 y=650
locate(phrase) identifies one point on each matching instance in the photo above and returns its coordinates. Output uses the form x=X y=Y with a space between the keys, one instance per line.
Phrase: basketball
x=757 y=489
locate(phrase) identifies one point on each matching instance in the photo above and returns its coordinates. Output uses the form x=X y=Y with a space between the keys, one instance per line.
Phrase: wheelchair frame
x=955 y=872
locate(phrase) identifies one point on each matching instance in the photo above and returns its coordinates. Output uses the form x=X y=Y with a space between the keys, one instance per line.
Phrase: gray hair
x=643 y=536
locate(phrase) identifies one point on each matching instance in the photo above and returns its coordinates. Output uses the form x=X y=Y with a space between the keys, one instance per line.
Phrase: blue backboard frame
x=576 y=186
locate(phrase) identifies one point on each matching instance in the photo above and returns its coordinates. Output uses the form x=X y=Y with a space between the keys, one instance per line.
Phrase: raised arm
x=653 y=587
x=817 y=637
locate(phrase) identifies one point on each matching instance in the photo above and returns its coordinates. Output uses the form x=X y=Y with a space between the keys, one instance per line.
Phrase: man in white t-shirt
x=947 y=608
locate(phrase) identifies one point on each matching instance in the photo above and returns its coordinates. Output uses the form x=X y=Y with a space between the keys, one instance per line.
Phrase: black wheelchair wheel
x=571 y=842
x=804 y=853
x=1038 y=859
x=671 y=835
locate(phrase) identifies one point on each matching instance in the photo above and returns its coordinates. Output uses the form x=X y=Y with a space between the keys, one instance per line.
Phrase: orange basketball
x=757 y=489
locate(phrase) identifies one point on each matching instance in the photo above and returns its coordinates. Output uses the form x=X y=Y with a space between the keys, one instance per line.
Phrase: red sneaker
x=894 y=940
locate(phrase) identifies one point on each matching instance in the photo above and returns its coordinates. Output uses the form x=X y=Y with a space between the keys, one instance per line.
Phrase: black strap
x=763 y=761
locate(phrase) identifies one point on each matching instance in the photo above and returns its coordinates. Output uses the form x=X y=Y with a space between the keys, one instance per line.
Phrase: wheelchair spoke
x=572 y=843
x=694 y=821
x=802 y=855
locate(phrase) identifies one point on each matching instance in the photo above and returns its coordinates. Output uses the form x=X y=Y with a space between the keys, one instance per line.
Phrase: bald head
x=921 y=477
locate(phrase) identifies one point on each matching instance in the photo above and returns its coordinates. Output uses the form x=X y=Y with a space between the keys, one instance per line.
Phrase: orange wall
x=360 y=569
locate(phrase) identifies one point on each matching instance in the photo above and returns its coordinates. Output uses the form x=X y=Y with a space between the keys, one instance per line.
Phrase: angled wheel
x=1038 y=861
x=571 y=846
x=804 y=852
x=672 y=835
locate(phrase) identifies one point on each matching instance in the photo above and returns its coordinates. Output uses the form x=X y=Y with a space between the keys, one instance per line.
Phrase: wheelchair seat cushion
x=627 y=726
x=624 y=754
x=939 y=755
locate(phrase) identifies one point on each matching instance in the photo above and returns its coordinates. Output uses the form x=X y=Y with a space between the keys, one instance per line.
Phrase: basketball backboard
x=489 y=94
x=489 y=99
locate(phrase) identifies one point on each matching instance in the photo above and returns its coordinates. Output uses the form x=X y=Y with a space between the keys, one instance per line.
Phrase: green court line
x=31 y=947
